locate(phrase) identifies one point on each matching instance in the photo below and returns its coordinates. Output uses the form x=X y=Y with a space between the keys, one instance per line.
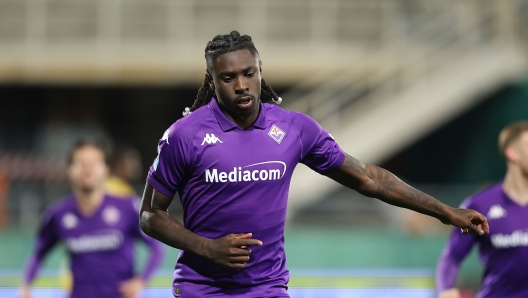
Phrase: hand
x=131 y=288
x=469 y=221
x=451 y=293
x=25 y=292
x=232 y=250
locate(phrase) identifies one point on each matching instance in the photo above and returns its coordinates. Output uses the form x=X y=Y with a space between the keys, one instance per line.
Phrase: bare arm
x=156 y=222
x=375 y=182
x=231 y=250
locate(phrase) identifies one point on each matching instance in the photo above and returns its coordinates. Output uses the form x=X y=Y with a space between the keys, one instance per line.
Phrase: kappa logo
x=211 y=139
x=496 y=211
x=276 y=133
x=69 y=221
x=166 y=136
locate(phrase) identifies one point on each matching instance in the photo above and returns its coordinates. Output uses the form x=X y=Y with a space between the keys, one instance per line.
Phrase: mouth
x=244 y=102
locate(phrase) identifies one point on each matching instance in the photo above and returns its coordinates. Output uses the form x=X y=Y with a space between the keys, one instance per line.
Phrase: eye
x=250 y=74
x=227 y=79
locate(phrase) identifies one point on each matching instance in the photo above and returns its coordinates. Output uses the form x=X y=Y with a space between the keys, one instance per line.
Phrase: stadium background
x=420 y=87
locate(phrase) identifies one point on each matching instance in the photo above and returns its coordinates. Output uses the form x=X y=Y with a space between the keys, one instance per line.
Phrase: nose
x=241 y=85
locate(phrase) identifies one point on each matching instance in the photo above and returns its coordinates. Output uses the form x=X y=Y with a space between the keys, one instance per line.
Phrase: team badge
x=69 y=221
x=111 y=215
x=276 y=133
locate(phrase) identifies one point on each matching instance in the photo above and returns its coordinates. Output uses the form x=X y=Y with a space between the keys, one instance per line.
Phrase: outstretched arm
x=46 y=239
x=231 y=250
x=375 y=182
x=457 y=248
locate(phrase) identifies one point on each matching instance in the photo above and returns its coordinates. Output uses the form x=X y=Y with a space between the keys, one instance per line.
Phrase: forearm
x=387 y=187
x=31 y=270
x=156 y=256
x=160 y=225
x=446 y=273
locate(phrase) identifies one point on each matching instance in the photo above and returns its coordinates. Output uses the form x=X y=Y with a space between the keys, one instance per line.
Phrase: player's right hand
x=232 y=250
x=451 y=293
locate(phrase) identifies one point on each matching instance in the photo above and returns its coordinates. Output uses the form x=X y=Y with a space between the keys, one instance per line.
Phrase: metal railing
x=160 y=40
x=427 y=38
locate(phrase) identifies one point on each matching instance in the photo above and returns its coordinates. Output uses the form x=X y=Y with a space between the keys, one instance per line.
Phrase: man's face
x=88 y=169
x=521 y=148
x=236 y=76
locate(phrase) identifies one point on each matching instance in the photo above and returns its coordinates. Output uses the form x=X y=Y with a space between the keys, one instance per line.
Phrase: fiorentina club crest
x=111 y=215
x=276 y=133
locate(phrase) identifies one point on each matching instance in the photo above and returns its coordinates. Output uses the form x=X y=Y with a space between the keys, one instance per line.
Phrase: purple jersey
x=504 y=251
x=236 y=181
x=100 y=246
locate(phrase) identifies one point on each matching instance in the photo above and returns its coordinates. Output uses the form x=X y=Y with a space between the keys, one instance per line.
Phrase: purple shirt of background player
x=100 y=247
x=98 y=231
x=225 y=189
x=503 y=252
x=231 y=160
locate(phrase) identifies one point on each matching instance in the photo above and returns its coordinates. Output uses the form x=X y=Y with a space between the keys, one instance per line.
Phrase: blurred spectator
x=125 y=170
x=97 y=229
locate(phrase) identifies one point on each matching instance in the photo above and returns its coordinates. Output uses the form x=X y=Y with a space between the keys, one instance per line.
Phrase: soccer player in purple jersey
x=504 y=251
x=98 y=231
x=231 y=160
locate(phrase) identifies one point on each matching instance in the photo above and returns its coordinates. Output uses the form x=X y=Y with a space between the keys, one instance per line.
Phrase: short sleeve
x=320 y=151
x=168 y=171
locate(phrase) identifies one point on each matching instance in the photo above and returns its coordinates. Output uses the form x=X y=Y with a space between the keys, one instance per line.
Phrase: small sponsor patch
x=177 y=291
x=276 y=133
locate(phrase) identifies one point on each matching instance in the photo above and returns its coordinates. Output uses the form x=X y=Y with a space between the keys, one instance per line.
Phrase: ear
x=260 y=66
x=511 y=154
x=210 y=78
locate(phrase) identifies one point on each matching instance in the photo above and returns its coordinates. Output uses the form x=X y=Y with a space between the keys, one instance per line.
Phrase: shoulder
x=296 y=119
x=187 y=125
x=61 y=205
x=121 y=202
x=481 y=200
x=58 y=208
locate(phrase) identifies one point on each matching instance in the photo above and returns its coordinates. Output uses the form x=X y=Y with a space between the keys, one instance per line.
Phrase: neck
x=516 y=185
x=243 y=121
x=88 y=200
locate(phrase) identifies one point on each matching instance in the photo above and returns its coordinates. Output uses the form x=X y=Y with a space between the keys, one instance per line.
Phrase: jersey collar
x=227 y=124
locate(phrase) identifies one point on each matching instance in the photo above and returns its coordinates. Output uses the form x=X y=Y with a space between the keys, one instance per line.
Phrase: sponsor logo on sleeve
x=166 y=136
x=276 y=133
x=166 y=139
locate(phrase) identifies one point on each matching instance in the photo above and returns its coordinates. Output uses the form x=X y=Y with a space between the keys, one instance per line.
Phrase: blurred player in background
x=231 y=160
x=97 y=229
x=124 y=170
x=504 y=251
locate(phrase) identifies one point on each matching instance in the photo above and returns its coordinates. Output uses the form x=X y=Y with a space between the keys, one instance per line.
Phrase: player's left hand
x=131 y=288
x=468 y=220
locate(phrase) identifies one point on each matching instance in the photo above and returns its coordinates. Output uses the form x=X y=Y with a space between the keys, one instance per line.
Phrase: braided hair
x=222 y=44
